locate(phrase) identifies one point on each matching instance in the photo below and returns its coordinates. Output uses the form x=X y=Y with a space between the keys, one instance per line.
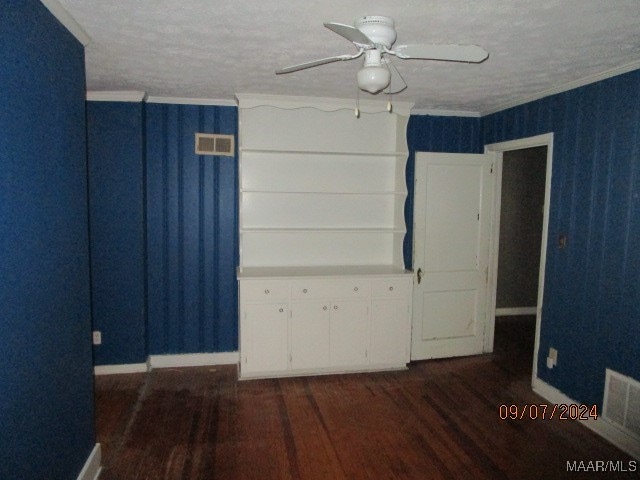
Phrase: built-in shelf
x=325 y=152
x=318 y=230
x=320 y=187
x=320 y=271
x=318 y=192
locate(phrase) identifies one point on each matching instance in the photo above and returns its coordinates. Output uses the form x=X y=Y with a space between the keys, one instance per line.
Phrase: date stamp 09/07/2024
x=544 y=411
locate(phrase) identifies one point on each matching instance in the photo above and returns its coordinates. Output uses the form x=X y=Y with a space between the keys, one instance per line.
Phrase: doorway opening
x=520 y=238
x=518 y=245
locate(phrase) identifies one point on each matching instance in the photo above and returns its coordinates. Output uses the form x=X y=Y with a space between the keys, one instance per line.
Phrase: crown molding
x=139 y=96
x=613 y=72
x=192 y=101
x=116 y=96
x=444 y=113
x=67 y=21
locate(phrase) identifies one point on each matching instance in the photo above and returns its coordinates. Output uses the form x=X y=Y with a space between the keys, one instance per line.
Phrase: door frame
x=498 y=149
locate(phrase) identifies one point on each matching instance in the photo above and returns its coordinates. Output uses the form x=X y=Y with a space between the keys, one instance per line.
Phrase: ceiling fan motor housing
x=380 y=30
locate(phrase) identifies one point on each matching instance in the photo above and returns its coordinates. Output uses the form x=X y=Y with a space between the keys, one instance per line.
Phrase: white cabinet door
x=389 y=332
x=310 y=335
x=263 y=337
x=349 y=338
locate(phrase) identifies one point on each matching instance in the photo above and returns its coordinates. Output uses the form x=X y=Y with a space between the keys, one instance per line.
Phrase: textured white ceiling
x=213 y=49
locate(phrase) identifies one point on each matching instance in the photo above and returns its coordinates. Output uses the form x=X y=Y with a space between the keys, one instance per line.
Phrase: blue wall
x=427 y=133
x=115 y=132
x=46 y=389
x=192 y=231
x=591 y=311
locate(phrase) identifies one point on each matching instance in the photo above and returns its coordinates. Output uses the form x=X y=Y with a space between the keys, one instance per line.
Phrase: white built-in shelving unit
x=322 y=192
x=319 y=186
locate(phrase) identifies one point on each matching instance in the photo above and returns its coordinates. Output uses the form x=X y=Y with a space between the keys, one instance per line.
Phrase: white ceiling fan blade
x=397 y=83
x=315 y=63
x=450 y=53
x=350 y=33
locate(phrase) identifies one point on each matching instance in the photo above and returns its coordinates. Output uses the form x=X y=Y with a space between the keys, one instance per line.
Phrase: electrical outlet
x=552 y=359
x=97 y=337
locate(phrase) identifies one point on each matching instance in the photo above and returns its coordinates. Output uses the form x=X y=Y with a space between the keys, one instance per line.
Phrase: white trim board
x=193 y=360
x=140 y=96
x=520 y=143
x=600 y=426
x=122 y=368
x=92 y=468
x=170 y=361
x=508 y=312
x=116 y=96
x=67 y=21
x=192 y=101
x=444 y=113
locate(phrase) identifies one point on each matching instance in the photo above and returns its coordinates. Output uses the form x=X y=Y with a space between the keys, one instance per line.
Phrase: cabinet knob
x=266 y=292
x=335 y=307
x=304 y=290
x=324 y=308
x=355 y=289
x=281 y=310
x=391 y=289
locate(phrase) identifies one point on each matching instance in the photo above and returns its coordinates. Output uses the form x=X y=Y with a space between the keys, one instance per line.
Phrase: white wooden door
x=389 y=331
x=349 y=333
x=310 y=335
x=264 y=337
x=452 y=217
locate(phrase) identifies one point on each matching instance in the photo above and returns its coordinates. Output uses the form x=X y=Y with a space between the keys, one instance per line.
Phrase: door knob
x=419 y=275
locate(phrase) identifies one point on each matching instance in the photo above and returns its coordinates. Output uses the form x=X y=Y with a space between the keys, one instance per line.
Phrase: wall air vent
x=621 y=406
x=214 y=144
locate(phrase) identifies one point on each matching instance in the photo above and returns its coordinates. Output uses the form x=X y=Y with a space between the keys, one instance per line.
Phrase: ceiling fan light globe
x=373 y=78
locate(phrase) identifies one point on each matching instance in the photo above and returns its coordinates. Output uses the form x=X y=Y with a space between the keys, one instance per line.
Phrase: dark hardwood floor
x=437 y=420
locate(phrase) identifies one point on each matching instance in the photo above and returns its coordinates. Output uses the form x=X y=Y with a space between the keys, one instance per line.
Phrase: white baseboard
x=116 y=369
x=600 y=426
x=504 y=312
x=193 y=359
x=92 y=468
x=170 y=361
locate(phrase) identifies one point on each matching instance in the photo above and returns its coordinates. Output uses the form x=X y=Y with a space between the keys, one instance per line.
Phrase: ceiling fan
x=373 y=36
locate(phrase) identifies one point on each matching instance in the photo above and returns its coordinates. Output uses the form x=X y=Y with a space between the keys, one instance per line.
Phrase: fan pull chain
x=389 y=106
x=357 y=111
